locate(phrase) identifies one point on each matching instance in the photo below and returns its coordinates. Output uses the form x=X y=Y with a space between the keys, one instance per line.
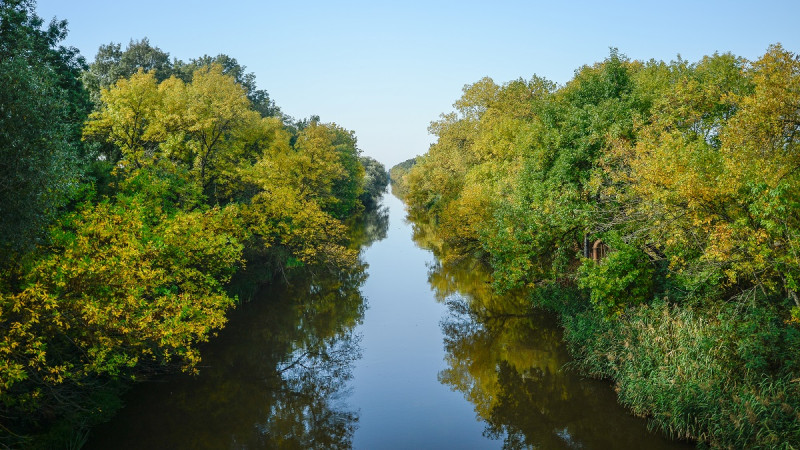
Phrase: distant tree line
x=397 y=176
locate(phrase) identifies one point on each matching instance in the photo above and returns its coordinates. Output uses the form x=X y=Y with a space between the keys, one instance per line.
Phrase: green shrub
x=623 y=278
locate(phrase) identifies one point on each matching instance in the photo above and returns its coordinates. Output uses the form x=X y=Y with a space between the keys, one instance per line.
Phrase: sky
x=387 y=69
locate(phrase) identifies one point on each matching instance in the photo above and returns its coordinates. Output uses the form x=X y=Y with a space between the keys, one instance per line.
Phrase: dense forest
x=655 y=207
x=136 y=192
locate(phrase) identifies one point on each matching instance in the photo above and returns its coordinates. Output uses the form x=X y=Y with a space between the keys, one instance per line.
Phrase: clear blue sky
x=387 y=69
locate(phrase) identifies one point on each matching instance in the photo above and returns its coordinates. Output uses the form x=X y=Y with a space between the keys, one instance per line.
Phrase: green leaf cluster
x=621 y=280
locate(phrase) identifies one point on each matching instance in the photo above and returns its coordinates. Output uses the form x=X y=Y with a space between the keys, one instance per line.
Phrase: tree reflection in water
x=274 y=378
x=509 y=362
x=370 y=228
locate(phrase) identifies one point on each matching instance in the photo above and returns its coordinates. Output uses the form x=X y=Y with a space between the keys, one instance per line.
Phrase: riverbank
x=653 y=206
x=682 y=369
x=405 y=353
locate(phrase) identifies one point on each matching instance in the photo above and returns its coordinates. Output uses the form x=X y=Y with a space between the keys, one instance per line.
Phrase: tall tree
x=230 y=66
x=111 y=64
x=201 y=125
x=42 y=105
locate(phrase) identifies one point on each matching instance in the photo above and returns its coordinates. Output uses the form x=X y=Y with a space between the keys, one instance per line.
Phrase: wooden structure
x=599 y=250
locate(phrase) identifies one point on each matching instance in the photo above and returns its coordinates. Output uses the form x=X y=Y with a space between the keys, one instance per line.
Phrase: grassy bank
x=722 y=375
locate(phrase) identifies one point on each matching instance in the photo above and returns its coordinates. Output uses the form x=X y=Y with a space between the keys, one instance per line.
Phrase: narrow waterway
x=398 y=353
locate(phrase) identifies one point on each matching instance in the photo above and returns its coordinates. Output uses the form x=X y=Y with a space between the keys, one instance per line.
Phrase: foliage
x=709 y=376
x=299 y=192
x=688 y=172
x=259 y=98
x=119 y=290
x=112 y=64
x=191 y=168
x=348 y=186
x=297 y=229
x=376 y=179
x=397 y=176
x=206 y=133
x=200 y=126
x=42 y=104
x=466 y=175
x=624 y=278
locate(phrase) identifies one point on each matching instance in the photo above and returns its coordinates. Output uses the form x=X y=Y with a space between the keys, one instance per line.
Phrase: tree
x=538 y=235
x=128 y=118
x=376 y=178
x=714 y=177
x=42 y=105
x=326 y=166
x=203 y=125
x=293 y=209
x=124 y=290
x=212 y=110
x=112 y=64
x=259 y=98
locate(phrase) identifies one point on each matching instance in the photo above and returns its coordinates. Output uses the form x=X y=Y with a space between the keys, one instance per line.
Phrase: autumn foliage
x=180 y=182
x=687 y=173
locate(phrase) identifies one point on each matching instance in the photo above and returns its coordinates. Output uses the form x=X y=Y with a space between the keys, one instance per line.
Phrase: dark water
x=404 y=353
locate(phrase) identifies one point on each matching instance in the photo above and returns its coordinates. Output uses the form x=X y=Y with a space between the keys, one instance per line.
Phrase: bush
x=623 y=278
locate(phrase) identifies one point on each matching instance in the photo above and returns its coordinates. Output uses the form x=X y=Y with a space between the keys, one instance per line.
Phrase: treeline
x=132 y=190
x=656 y=207
x=397 y=176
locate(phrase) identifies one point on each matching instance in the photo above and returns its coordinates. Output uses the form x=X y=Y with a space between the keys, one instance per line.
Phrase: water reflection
x=370 y=227
x=508 y=361
x=276 y=377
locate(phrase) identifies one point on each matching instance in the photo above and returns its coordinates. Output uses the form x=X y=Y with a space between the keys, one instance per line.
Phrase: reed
x=723 y=375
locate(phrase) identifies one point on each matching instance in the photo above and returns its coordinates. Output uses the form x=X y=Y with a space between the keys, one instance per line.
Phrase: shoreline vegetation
x=654 y=207
x=141 y=198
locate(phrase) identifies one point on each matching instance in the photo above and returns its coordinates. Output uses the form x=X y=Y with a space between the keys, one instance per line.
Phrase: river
x=400 y=352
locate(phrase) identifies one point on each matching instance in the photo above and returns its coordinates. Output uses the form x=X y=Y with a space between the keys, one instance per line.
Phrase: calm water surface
x=399 y=353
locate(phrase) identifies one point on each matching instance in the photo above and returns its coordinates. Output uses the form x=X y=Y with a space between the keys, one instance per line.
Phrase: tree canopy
x=132 y=191
x=42 y=107
x=638 y=187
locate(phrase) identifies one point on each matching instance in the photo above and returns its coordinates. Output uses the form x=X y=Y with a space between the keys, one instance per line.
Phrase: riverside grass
x=696 y=374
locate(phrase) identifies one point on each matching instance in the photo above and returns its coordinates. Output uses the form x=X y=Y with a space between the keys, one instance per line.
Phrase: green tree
x=326 y=165
x=127 y=120
x=204 y=125
x=539 y=235
x=290 y=213
x=376 y=179
x=123 y=290
x=112 y=64
x=43 y=105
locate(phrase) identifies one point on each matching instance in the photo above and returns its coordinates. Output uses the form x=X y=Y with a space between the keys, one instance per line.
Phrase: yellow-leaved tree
x=120 y=292
x=290 y=211
x=206 y=126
